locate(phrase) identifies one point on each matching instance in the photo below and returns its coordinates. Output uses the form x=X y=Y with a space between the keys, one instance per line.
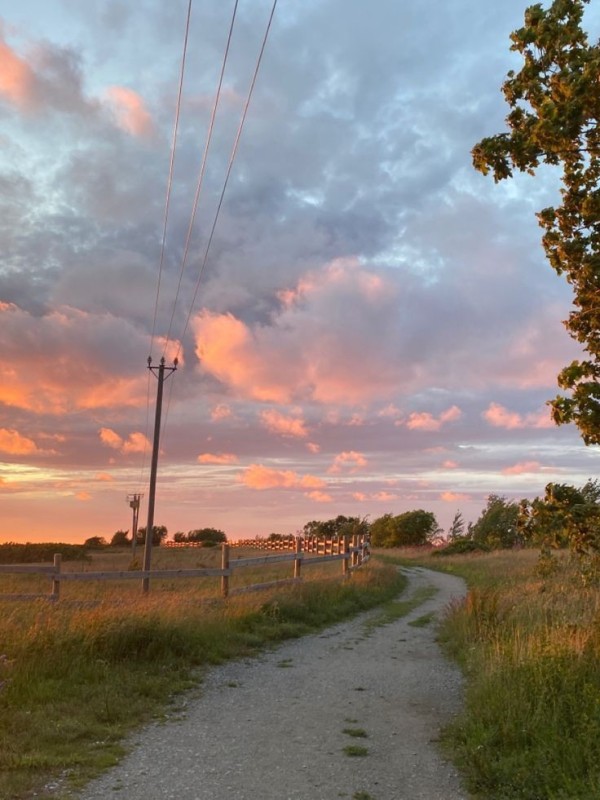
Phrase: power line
x=228 y=174
x=171 y=167
x=201 y=174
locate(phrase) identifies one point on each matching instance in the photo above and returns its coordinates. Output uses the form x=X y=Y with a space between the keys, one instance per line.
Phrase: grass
x=529 y=644
x=75 y=678
x=356 y=733
x=355 y=751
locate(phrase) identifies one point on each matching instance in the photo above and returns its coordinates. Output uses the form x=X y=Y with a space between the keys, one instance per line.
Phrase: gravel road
x=275 y=727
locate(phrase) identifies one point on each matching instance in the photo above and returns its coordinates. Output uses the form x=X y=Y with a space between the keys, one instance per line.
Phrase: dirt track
x=272 y=728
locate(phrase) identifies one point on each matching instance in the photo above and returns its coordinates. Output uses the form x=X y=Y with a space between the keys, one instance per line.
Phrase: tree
x=567 y=515
x=159 y=533
x=95 y=542
x=209 y=537
x=498 y=524
x=339 y=526
x=413 y=528
x=555 y=109
x=457 y=528
x=120 y=539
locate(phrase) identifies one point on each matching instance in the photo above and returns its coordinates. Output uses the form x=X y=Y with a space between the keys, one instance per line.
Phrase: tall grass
x=74 y=679
x=530 y=647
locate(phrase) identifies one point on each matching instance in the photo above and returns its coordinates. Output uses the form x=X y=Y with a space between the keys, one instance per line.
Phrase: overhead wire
x=201 y=173
x=165 y=222
x=227 y=176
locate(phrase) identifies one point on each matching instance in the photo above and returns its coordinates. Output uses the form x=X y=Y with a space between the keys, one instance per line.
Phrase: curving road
x=275 y=727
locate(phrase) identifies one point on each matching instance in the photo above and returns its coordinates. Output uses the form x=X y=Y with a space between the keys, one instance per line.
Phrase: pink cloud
x=135 y=443
x=256 y=476
x=522 y=467
x=454 y=497
x=450 y=464
x=218 y=458
x=17 y=79
x=130 y=110
x=104 y=476
x=360 y=496
x=220 y=412
x=425 y=421
x=500 y=417
x=286 y=426
x=384 y=497
x=12 y=442
x=84 y=497
x=313 y=447
x=320 y=497
x=349 y=461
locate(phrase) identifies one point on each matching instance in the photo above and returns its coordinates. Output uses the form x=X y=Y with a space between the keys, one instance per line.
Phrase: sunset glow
x=374 y=328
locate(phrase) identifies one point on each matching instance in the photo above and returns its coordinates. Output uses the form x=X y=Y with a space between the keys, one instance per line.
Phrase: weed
x=422 y=622
x=362 y=795
x=355 y=751
x=357 y=733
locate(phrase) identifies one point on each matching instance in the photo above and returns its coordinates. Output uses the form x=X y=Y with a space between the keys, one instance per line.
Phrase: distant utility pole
x=159 y=372
x=134 y=504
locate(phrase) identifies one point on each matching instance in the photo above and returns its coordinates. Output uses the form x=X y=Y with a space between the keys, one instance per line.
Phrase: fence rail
x=351 y=551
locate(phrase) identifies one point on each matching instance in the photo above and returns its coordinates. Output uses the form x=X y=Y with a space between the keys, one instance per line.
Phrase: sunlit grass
x=530 y=648
x=75 y=678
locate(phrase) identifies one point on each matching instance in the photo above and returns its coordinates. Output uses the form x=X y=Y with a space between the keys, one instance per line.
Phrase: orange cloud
x=83 y=496
x=104 y=476
x=286 y=426
x=360 y=496
x=500 y=417
x=17 y=79
x=220 y=412
x=130 y=110
x=522 y=467
x=256 y=476
x=12 y=442
x=454 y=497
x=135 y=443
x=425 y=421
x=217 y=458
x=320 y=497
x=349 y=460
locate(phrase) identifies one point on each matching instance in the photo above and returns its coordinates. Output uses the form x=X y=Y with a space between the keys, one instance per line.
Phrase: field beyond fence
x=218 y=569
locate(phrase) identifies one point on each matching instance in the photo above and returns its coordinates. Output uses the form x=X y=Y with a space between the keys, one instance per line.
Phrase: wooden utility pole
x=159 y=372
x=134 y=504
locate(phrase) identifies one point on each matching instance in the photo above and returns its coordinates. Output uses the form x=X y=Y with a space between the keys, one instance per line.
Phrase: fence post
x=225 y=566
x=298 y=559
x=56 y=579
x=346 y=552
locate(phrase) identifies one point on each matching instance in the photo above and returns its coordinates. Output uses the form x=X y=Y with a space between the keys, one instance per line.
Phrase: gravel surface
x=275 y=727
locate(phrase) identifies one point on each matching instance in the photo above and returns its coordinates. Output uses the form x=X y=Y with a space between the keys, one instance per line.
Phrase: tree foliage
x=555 y=108
x=120 y=539
x=565 y=516
x=413 y=528
x=498 y=525
x=339 y=526
x=209 y=537
x=159 y=534
x=95 y=542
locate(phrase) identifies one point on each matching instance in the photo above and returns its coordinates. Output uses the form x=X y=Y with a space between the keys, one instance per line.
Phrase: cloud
x=135 y=443
x=220 y=412
x=130 y=110
x=217 y=458
x=84 y=497
x=14 y=443
x=259 y=477
x=349 y=461
x=500 y=417
x=17 y=80
x=276 y=422
x=522 y=468
x=425 y=421
x=454 y=497
x=105 y=477
x=320 y=497
x=450 y=464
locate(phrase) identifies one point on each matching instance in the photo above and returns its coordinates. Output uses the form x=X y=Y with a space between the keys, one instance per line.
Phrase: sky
x=373 y=328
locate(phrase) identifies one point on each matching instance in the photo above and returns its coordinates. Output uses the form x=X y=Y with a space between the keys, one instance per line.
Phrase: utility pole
x=134 y=504
x=159 y=372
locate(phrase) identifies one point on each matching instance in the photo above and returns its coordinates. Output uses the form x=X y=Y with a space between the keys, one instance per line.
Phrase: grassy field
x=528 y=639
x=78 y=675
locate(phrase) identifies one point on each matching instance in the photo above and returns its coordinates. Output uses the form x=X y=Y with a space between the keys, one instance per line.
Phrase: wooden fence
x=351 y=551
